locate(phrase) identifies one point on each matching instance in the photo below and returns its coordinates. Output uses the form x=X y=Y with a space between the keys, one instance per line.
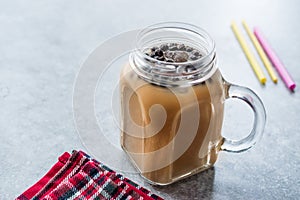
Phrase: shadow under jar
x=172 y=104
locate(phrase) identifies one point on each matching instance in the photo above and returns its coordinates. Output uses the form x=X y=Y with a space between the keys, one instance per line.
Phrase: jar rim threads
x=162 y=72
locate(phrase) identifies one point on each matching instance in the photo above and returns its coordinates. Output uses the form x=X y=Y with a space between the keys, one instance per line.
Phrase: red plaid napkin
x=78 y=176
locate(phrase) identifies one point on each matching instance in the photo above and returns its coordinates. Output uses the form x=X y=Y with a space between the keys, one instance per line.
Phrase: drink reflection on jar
x=172 y=103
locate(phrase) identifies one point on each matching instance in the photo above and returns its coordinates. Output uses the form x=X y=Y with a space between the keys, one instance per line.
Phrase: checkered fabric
x=78 y=176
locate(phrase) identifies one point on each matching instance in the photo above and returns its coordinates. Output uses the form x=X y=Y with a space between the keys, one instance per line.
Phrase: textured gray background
x=42 y=44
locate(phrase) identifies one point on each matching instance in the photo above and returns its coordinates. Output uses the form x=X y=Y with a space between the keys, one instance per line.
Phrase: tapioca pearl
x=169 y=54
x=154 y=48
x=181 y=57
x=164 y=47
x=159 y=52
x=173 y=47
x=196 y=53
x=193 y=57
x=189 y=49
x=181 y=47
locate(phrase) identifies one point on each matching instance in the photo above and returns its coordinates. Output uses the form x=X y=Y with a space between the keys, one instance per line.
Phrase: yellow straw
x=260 y=75
x=261 y=52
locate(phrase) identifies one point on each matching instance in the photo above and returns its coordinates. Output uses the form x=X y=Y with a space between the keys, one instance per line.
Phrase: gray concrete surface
x=42 y=44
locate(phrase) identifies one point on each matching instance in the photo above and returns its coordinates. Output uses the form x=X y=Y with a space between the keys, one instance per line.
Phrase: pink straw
x=275 y=60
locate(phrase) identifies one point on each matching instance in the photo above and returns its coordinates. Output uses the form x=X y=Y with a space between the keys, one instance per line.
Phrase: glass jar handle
x=248 y=96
